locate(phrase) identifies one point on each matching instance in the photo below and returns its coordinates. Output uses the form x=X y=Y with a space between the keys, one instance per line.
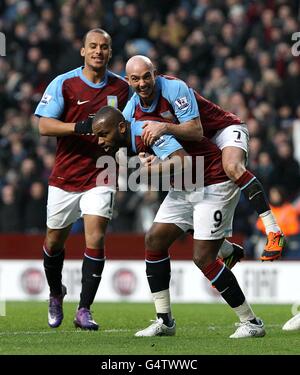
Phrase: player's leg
x=233 y=161
x=62 y=211
x=96 y=206
x=92 y=267
x=54 y=257
x=158 y=270
x=233 y=141
x=94 y=258
x=173 y=218
x=222 y=278
x=212 y=222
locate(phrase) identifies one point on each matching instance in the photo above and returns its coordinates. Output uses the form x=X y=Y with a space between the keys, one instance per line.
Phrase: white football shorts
x=64 y=207
x=210 y=216
x=234 y=136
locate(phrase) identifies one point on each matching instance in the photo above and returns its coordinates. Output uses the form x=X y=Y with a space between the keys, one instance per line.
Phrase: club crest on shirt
x=182 y=103
x=46 y=99
x=112 y=101
x=167 y=115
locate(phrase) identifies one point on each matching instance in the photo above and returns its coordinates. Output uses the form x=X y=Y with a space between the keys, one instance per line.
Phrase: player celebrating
x=172 y=100
x=65 y=111
x=211 y=218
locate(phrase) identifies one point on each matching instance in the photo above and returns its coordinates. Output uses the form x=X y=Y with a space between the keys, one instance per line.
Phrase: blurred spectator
x=10 y=220
x=28 y=173
x=175 y=30
x=146 y=211
x=236 y=71
x=35 y=209
x=217 y=86
x=291 y=86
x=124 y=208
x=264 y=169
x=286 y=172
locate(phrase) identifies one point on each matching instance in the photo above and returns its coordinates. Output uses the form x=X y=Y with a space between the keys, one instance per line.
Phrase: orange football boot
x=274 y=246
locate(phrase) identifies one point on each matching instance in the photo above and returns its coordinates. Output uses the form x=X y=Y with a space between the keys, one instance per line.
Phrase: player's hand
x=147 y=159
x=84 y=127
x=152 y=131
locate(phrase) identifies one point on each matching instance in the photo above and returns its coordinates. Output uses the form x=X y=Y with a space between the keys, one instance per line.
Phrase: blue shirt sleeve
x=128 y=111
x=52 y=102
x=162 y=148
x=182 y=99
x=165 y=146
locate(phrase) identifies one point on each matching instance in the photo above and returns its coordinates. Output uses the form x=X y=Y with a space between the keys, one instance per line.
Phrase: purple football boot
x=55 y=311
x=84 y=320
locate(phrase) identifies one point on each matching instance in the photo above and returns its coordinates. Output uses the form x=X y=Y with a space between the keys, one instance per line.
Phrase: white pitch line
x=210 y=328
x=57 y=332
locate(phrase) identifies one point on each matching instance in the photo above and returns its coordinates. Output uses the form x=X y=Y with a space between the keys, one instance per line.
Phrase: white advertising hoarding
x=276 y=282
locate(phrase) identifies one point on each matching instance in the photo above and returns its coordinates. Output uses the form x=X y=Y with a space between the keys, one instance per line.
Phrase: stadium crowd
x=235 y=53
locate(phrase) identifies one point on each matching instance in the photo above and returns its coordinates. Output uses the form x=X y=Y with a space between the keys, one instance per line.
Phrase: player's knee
x=203 y=259
x=53 y=245
x=234 y=170
x=199 y=260
x=152 y=240
x=95 y=240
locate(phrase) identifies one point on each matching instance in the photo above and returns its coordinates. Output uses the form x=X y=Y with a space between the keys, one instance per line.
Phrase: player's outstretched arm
x=53 y=127
x=188 y=131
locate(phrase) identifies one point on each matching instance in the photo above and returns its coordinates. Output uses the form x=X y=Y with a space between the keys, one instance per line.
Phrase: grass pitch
x=201 y=329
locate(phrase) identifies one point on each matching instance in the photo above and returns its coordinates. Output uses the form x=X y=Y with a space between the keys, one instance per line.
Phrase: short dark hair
x=109 y=113
x=99 y=31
